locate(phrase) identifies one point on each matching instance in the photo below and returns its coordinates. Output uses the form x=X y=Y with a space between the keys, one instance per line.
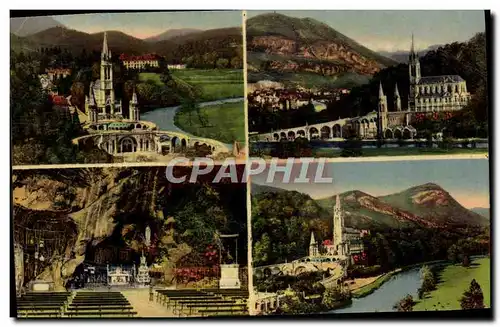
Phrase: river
x=384 y=298
x=164 y=117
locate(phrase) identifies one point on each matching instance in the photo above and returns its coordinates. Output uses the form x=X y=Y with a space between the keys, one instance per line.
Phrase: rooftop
x=440 y=79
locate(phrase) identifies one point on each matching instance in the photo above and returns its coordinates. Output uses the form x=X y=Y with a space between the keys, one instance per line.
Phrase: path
x=139 y=299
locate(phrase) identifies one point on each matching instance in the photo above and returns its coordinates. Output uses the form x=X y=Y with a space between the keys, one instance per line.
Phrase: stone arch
x=314 y=133
x=267 y=271
x=276 y=136
x=388 y=134
x=139 y=126
x=337 y=130
x=325 y=132
x=398 y=134
x=407 y=134
x=301 y=133
x=300 y=269
x=174 y=143
x=183 y=143
x=291 y=135
x=275 y=270
x=282 y=136
x=128 y=144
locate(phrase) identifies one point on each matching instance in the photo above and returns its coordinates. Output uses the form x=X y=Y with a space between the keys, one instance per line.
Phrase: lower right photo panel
x=371 y=236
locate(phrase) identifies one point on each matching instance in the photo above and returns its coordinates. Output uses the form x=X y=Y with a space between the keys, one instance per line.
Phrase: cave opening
x=121 y=251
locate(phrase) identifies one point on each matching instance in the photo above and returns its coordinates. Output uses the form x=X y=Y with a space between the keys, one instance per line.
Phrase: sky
x=391 y=30
x=146 y=24
x=467 y=180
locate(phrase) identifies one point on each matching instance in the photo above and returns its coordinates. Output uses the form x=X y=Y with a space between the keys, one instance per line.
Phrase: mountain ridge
x=427 y=205
x=324 y=51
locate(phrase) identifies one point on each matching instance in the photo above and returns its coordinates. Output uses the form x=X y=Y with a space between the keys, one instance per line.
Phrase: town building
x=56 y=73
x=176 y=66
x=434 y=93
x=140 y=62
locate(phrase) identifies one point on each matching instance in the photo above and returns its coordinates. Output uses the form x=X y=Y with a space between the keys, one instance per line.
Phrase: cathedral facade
x=346 y=241
x=101 y=103
x=434 y=93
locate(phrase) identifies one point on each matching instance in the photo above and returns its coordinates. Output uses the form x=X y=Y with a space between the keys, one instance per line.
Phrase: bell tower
x=382 y=112
x=414 y=74
x=338 y=226
x=397 y=99
x=313 y=246
x=107 y=94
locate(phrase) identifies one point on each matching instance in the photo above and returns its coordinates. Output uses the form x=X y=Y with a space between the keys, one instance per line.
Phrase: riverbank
x=224 y=122
x=371 y=287
x=453 y=281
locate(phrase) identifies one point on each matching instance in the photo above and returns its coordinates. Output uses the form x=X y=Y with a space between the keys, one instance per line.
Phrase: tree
x=222 y=63
x=405 y=304
x=473 y=297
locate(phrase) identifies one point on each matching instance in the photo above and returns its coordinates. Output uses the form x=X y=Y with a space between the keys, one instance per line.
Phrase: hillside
x=169 y=34
x=362 y=210
x=433 y=203
x=282 y=224
x=485 y=212
x=76 y=41
x=258 y=189
x=225 y=42
x=24 y=26
x=402 y=56
x=277 y=43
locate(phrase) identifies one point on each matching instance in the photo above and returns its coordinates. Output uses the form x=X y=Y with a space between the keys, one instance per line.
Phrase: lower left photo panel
x=128 y=242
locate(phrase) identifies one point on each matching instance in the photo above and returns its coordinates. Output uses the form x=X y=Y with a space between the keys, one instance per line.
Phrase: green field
x=143 y=77
x=454 y=280
x=226 y=122
x=214 y=84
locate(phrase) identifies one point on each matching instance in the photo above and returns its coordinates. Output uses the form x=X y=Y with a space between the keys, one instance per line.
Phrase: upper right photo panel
x=367 y=83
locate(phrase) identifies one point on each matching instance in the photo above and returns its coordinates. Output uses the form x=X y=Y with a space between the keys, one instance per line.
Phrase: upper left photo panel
x=126 y=87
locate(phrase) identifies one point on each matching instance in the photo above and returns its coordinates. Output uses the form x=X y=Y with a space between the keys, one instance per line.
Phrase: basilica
x=434 y=93
x=101 y=103
x=346 y=241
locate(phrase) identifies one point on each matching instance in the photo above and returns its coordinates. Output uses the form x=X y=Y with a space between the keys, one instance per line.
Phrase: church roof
x=440 y=79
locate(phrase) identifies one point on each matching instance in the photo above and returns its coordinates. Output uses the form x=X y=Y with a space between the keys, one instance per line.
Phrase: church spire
x=380 y=91
x=412 y=44
x=134 y=97
x=313 y=240
x=105 y=43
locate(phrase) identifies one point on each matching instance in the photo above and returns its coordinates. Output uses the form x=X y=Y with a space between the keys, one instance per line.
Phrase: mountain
x=402 y=56
x=18 y=44
x=434 y=204
x=485 y=212
x=169 y=34
x=258 y=189
x=362 y=210
x=76 y=41
x=226 y=42
x=278 y=43
x=24 y=26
